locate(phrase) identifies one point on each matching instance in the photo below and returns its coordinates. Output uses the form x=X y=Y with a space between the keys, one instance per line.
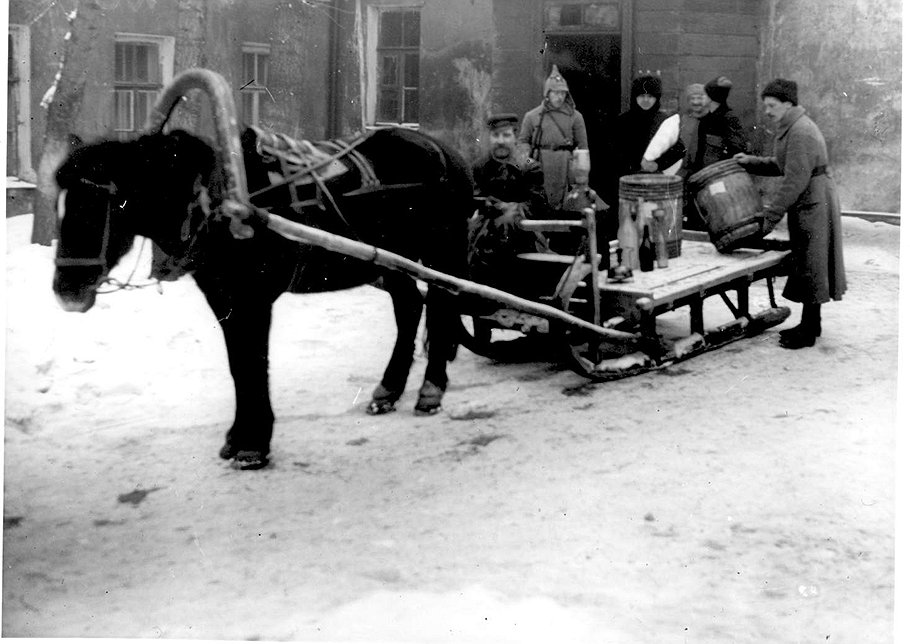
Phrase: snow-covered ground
x=745 y=495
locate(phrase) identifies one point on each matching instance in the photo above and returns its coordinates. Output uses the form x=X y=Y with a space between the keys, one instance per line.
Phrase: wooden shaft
x=551 y=224
x=595 y=260
x=336 y=243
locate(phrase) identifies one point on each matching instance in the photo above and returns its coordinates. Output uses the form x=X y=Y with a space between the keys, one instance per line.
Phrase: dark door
x=590 y=63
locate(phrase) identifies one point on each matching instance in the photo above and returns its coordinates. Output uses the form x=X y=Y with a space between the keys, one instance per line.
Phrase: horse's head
x=109 y=192
x=92 y=235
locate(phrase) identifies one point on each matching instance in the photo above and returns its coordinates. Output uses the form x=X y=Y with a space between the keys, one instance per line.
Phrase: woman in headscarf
x=550 y=132
x=808 y=196
x=637 y=126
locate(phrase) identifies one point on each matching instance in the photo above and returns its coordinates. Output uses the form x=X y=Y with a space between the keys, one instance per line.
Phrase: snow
x=745 y=495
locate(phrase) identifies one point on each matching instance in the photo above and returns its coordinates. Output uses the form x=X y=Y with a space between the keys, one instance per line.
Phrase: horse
x=396 y=189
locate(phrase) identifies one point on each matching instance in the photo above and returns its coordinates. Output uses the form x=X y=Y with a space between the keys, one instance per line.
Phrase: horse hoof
x=250 y=460
x=227 y=452
x=427 y=410
x=429 y=400
x=380 y=407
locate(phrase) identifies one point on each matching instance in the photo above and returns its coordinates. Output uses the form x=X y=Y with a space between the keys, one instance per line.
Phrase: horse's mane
x=138 y=161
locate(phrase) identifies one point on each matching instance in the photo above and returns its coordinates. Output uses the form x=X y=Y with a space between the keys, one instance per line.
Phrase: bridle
x=101 y=259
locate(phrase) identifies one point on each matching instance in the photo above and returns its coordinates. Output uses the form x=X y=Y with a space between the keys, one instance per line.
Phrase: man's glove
x=512 y=213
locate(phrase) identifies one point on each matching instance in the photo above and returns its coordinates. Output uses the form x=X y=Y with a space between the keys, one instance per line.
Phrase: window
x=255 y=78
x=398 y=59
x=143 y=65
x=18 y=114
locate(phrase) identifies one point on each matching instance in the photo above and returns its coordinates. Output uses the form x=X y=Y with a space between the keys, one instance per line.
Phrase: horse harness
x=101 y=258
x=304 y=163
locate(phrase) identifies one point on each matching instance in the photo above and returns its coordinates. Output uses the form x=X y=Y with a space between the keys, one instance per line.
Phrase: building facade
x=323 y=68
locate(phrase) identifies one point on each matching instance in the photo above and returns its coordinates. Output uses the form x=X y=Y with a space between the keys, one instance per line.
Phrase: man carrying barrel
x=808 y=196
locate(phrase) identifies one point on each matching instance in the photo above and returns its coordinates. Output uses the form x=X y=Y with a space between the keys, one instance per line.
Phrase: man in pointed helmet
x=550 y=132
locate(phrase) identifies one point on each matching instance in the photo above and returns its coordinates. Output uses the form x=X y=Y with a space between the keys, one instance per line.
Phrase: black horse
x=402 y=191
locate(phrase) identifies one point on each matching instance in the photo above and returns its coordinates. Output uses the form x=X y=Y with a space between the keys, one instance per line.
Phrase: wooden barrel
x=728 y=201
x=666 y=192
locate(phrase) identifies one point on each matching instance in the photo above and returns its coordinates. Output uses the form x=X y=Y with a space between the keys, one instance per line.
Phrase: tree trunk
x=62 y=110
x=189 y=52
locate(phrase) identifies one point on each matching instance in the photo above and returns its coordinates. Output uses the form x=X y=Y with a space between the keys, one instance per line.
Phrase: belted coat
x=549 y=135
x=808 y=196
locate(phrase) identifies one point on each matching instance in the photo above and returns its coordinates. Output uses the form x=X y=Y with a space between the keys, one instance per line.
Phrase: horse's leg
x=441 y=347
x=246 y=336
x=245 y=323
x=408 y=304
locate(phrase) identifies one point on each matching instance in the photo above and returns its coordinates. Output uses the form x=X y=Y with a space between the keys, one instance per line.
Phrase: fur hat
x=782 y=89
x=501 y=120
x=647 y=85
x=718 y=89
x=555 y=82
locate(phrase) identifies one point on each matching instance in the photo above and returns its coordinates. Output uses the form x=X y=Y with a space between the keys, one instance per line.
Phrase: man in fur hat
x=808 y=196
x=510 y=187
x=550 y=132
x=720 y=134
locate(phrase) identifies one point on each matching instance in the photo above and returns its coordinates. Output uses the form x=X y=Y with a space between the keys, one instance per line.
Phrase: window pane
x=390 y=29
x=153 y=74
x=249 y=68
x=119 y=61
x=389 y=71
x=411 y=70
x=411 y=105
x=123 y=112
x=262 y=69
x=142 y=64
x=144 y=103
x=11 y=67
x=388 y=106
x=411 y=29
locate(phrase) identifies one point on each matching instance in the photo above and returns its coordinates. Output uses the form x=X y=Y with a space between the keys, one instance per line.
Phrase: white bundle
x=665 y=137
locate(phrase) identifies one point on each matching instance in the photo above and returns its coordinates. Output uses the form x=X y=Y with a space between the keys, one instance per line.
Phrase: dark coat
x=808 y=196
x=720 y=136
x=514 y=190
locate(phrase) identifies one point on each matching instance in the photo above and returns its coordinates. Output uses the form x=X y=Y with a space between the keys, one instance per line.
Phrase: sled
x=606 y=329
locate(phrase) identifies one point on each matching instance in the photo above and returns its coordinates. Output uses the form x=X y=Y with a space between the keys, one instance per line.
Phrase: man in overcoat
x=808 y=196
x=550 y=132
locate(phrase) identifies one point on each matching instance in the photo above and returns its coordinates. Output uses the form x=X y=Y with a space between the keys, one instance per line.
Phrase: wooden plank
x=893 y=218
x=658 y=43
x=729 y=45
x=696 y=22
x=662 y=22
x=698 y=269
x=659 y=5
x=737 y=7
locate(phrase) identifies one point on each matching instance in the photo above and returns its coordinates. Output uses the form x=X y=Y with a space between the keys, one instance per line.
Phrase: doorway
x=591 y=65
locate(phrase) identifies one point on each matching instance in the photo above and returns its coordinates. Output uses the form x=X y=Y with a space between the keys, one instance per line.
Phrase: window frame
x=370 y=84
x=20 y=36
x=135 y=88
x=254 y=89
